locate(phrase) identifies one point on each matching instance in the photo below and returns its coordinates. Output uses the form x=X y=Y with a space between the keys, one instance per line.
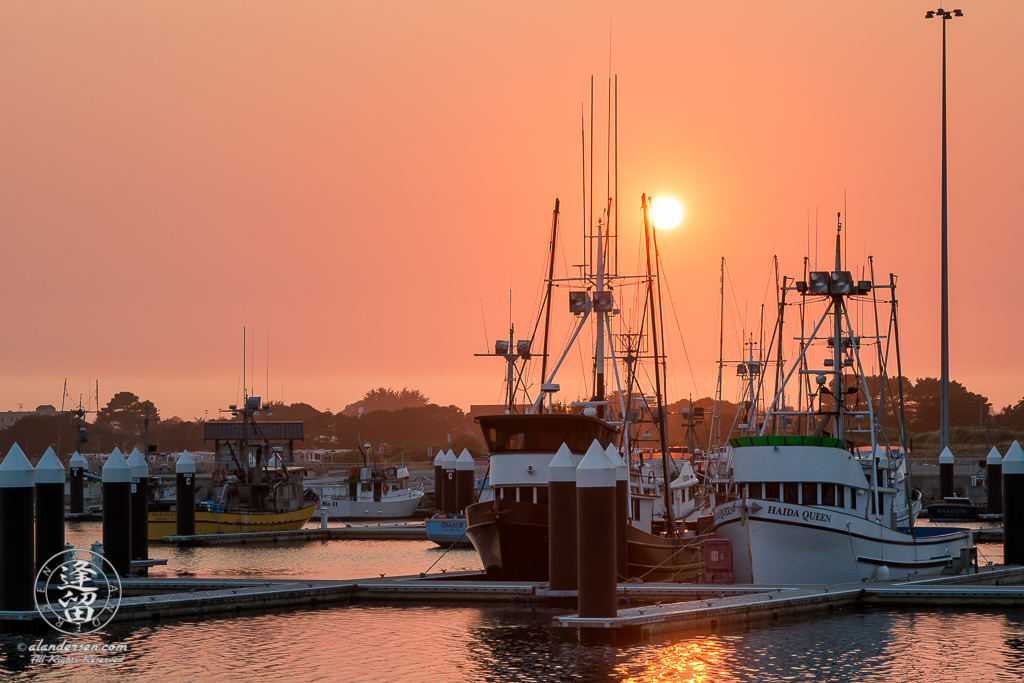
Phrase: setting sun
x=666 y=213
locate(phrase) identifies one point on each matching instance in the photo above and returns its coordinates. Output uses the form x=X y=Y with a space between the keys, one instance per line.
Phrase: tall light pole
x=945 y=15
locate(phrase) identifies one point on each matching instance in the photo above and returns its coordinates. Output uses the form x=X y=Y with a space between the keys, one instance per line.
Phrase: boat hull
x=660 y=559
x=164 y=522
x=512 y=541
x=448 y=531
x=776 y=543
x=387 y=508
x=956 y=511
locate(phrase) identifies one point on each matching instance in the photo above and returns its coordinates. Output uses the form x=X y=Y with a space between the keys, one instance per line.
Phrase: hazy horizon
x=364 y=184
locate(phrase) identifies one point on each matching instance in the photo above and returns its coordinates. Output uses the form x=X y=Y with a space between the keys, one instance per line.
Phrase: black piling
x=621 y=511
x=595 y=534
x=79 y=466
x=449 y=489
x=49 y=508
x=117 y=513
x=185 y=502
x=17 y=561
x=1013 y=505
x=140 y=506
x=562 y=564
x=439 y=480
x=465 y=469
x=994 y=482
x=946 y=473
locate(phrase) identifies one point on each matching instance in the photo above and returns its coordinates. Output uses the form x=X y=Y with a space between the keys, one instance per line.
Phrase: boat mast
x=599 y=309
x=716 y=415
x=547 y=313
x=662 y=418
x=837 y=344
x=899 y=365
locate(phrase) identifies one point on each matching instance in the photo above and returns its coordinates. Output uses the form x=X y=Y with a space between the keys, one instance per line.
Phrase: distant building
x=10 y=417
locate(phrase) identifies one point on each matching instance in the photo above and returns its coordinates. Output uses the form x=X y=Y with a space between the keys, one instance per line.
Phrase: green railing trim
x=824 y=441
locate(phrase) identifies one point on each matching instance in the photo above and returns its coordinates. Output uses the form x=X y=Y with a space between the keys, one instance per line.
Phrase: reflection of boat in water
x=371 y=490
x=256 y=490
x=811 y=506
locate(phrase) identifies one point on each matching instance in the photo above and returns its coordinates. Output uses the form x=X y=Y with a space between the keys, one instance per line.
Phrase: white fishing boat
x=818 y=493
x=371 y=491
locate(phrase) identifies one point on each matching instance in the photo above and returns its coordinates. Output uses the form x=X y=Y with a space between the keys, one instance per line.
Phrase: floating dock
x=393 y=532
x=645 y=609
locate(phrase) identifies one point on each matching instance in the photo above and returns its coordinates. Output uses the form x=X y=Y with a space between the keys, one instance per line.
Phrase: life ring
x=219 y=476
x=386 y=488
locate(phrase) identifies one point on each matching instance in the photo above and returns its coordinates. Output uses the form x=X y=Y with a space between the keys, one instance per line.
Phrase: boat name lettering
x=785 y=512
x=451 y=526
x=812 y=516
x=725 y=512
x=807 y=515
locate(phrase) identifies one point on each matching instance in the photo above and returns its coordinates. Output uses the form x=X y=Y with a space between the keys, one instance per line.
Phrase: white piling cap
x=562 y=467
x=49 y=470
x=449 y=460
x=78 y=460
x=595 y=470
x=947 y=457
x=138 y=464
x=116 y=470
x=185 y=464
x=16 y=471
x=993 y=457
x=1013 y=463
x=465 y=461
x=621 y=471
x=439 y=458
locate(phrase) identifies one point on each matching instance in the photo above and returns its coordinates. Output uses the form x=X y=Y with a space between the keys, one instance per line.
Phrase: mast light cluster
x=833 y=283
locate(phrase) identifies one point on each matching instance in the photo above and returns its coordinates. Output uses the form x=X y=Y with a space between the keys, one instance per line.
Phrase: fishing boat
x=956 y=508
x=816 y=491
x=373 y=490
x=255 y=489
x=511 y=532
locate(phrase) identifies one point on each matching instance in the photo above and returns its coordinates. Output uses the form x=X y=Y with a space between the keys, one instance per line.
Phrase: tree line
x=410 y=424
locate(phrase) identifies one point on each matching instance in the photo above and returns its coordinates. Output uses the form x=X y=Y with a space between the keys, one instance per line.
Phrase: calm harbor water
x=504 y=642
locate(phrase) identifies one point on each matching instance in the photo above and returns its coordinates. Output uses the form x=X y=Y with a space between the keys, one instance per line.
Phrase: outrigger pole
x=662 y=418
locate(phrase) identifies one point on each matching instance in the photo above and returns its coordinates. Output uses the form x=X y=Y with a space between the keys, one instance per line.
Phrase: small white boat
x=371 y=491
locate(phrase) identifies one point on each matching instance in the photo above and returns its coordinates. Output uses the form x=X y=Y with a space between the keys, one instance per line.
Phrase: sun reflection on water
x=691 y=662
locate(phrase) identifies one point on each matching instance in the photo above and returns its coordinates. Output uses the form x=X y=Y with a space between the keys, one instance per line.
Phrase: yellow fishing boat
x=221 y=519
x=254 y=489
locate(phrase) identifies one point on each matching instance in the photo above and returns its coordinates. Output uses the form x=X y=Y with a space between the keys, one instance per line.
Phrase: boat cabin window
x=543 y=433
x=636 y=508
x=773 y=491
x=755 y=490
x=790 y=492
x=852 y=494
x=809 y=494
x=542 y=495
x=828 y=495
x=840 y=502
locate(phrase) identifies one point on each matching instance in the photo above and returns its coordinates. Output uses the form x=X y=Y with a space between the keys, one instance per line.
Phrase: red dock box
x=718 y=560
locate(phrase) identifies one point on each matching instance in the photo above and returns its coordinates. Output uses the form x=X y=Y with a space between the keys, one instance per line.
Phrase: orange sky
x=358 y=180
